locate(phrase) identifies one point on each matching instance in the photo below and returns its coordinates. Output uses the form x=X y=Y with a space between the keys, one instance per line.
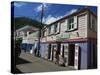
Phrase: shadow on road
x=20 y=61
x=17 y=71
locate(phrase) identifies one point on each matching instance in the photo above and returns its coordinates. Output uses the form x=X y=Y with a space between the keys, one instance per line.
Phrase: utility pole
x=41 y=20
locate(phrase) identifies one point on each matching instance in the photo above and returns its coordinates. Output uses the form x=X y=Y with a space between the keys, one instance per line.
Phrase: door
x=71 y=54
x=54 y=52
x=62 y=50
x=49 y=51
x=77 y=57
x=93 y=56
x=66 y=54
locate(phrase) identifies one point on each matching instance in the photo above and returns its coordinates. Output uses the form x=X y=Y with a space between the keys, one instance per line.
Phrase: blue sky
x=52 y=12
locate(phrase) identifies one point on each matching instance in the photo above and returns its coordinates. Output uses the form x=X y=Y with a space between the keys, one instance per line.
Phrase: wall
x=84 y=53
x=92 y=33
x=81 y=32
x=43 y=49
x=30 y=38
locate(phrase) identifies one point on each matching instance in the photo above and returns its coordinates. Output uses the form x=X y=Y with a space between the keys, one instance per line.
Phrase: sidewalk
x=39 y=65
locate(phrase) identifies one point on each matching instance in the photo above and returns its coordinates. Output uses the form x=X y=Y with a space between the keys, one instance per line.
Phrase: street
x=36 y=64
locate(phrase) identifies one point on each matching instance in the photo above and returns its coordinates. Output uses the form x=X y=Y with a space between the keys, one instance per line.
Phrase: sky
x=51 y=13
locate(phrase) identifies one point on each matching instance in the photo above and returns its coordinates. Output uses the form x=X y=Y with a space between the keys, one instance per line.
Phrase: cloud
x=70 y=12
x=39 y=8
x=50 y=19
x=19 y=4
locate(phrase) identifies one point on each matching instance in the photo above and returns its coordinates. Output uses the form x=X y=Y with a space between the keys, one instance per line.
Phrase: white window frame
x=70 y=24
x=74 y=24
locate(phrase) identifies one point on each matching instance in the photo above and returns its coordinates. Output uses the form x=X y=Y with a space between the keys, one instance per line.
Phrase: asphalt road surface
x=36 y=64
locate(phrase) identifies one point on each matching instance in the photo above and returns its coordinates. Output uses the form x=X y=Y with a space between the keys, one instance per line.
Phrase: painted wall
x=92 y=32
x=92 y=54
x=84 y=53
x=43 y=49
x=30 y=38
x=81 y=22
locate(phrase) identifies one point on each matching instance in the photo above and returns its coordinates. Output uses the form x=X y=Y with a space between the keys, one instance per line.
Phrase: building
x=29 y=35
x=74 y=37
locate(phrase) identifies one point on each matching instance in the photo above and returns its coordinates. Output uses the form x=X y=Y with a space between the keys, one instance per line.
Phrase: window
x=93 y=23
x=43 y=33
x=71 y=23
x=52 y=29
x=55 y=28
x=25 y=34
x=49 y=30
x=31 y=32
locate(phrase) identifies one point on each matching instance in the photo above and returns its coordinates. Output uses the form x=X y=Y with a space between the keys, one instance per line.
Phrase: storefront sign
x=61 y=37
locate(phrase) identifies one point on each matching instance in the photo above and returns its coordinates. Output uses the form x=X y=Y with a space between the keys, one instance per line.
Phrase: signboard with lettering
x=61 y=37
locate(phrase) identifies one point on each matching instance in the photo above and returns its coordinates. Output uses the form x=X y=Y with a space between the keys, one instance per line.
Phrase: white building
x=29 y=35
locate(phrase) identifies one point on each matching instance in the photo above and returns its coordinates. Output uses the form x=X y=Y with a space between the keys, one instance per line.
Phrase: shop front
x=61 y=53
x=79 y=53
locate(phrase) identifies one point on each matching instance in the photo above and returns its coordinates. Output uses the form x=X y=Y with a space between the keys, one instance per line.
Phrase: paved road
x=38 y=65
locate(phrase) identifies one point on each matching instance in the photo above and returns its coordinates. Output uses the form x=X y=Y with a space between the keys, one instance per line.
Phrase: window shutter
x=58 y=27
x=52 y=29
x=66 y=22
x=75 y=22
x=48 y=31
x=45 y=32
x=96 y=25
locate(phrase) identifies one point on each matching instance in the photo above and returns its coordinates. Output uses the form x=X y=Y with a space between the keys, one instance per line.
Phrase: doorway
x=71 y=54
x=93 y=56
x=49 y=51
